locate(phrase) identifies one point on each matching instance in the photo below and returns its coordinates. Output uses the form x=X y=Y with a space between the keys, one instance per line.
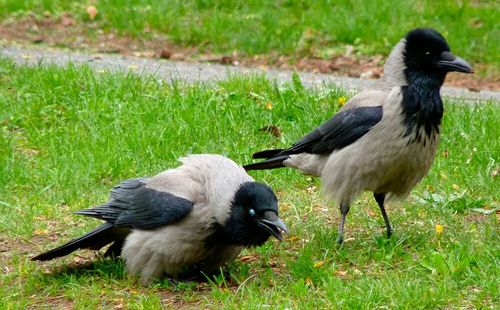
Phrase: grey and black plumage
x=382 y=140
x=193 y=218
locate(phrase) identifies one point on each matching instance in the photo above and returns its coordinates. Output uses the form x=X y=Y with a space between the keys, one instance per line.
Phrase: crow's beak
x=450 y=62
x=273 y=225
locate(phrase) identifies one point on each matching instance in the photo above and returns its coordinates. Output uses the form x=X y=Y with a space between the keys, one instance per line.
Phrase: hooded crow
x=190 y=219
x=383 y=140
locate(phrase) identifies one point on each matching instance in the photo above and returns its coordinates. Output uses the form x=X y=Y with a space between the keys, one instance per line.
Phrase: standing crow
x=383 y=140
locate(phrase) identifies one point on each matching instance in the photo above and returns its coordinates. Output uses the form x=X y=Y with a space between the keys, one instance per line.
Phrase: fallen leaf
x=341 y=273
x=166 y=54
x=92 y=12
x=227 y=60
x=249 y=258
x=272 y=129
x=41 y=232
x=67 y=20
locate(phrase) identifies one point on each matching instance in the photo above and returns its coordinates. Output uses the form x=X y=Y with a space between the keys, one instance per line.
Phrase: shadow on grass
x=108 y=267
x=114 y=269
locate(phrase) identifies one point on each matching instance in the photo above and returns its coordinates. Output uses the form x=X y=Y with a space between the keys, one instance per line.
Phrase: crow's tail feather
x=94 y=240
x=266 y=154
x=271 y=163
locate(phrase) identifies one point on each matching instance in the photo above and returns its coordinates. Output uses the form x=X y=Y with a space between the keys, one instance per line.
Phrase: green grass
x=298 y=28
x=68 y=135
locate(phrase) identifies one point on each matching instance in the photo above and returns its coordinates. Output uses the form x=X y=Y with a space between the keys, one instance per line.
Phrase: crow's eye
x=427 y=53
x=251 y=212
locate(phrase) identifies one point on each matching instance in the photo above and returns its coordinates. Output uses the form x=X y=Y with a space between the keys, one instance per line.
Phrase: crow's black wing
x=342 y=129
x=134 y=205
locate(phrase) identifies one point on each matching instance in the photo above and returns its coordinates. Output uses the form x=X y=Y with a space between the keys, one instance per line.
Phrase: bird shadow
x=114 y=268
x=111 y=267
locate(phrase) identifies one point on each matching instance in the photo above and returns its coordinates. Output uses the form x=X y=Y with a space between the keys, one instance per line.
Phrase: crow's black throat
x=422 y=106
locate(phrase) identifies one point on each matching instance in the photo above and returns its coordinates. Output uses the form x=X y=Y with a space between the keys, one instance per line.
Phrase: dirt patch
x=52 y=302
x=173 y=300
x=14 y=246
x=63 y=31
x=479 y=218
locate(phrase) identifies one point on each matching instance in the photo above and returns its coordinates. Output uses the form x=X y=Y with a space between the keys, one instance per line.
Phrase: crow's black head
x=427 y=53
x=254 y=216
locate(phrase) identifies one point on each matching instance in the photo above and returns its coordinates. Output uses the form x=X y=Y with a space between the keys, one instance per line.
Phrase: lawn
x=67 y=135
x=294 y=28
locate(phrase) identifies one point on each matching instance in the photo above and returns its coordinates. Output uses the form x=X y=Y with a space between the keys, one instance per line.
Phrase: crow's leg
x=344 y=209
x=380 y=198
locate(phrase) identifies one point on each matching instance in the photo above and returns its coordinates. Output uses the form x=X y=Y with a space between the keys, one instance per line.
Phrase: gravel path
x=196 y=72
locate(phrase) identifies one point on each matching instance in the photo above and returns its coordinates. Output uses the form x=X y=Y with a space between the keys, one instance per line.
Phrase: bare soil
x=63 y=31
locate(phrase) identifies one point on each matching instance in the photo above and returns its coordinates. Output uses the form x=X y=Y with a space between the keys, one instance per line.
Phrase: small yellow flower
x=341 y=101
x=269 y=105
x=455 y=187
x=318 y=264
x=439 y=229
